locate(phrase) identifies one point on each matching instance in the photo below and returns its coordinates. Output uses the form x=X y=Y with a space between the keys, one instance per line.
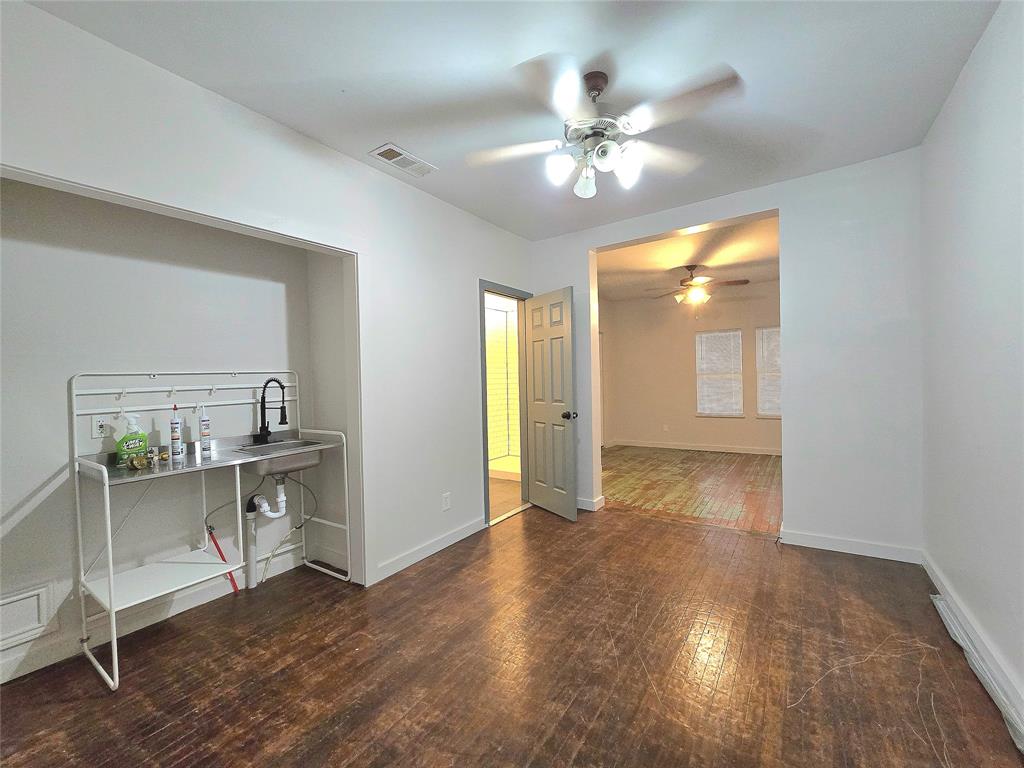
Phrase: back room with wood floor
x=691 y=375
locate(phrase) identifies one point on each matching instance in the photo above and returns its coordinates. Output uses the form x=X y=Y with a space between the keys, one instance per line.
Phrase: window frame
x=696 y=360
x=757 y=370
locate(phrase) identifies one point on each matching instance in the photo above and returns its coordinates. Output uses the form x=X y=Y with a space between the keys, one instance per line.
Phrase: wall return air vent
x=402 y=160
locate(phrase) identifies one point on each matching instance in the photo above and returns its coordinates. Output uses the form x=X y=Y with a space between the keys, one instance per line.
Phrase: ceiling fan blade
x=668 y=158
x=512 y=152
x=663 y=295
x=731 y=282
x=555 y=80
x=694 y=97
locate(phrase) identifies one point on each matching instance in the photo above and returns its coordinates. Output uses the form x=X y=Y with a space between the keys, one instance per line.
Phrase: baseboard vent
x=402 y=160
x=1012 y=718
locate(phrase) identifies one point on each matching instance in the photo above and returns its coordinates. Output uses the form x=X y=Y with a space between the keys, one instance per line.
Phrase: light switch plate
x=446 y=501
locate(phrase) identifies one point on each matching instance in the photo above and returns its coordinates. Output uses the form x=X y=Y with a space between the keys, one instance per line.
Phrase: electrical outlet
x=100 y=425
x=446 y=501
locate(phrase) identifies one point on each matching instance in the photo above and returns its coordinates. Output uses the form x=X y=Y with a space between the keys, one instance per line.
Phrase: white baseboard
x=987 y=662
x=397 y=563
x=590 y=505
x=695 y=447
x=44 y=651
x=851 y=546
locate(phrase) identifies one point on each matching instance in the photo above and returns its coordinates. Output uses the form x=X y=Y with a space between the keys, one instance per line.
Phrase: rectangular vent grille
x=402 y=160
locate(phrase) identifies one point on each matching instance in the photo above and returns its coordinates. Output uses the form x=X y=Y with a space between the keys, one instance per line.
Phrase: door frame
x=486 y=286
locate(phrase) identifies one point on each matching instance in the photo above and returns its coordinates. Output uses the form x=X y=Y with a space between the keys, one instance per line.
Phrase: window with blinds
x=769 y=372
x=720 y=373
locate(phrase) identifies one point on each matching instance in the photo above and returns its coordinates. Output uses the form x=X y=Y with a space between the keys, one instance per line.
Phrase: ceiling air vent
x=403 y=161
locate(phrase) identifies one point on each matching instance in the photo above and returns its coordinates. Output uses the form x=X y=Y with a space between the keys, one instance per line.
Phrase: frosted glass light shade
x=559 y=168
x=631 y=162
x=586 y=186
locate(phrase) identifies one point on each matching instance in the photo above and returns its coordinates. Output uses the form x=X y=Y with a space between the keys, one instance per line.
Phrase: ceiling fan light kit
x=694 y=295
x=601 y=143
x=597 y=137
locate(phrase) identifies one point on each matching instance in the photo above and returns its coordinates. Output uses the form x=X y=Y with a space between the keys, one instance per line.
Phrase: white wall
x=81 y=111
x=87 y=285
x=333 y=305
x=650 y=368
x=974 y=349
x=852 y=395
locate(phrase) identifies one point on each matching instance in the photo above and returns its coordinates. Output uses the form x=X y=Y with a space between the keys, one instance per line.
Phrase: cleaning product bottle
x=132 y=442
x=177 y=444
x=204 y=432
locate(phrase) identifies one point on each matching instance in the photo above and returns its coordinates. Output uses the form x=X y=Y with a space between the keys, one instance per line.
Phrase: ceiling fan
x=694 y=289
x=598 y=137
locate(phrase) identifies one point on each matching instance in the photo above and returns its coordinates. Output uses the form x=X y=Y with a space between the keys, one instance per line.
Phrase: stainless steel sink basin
x=283 y=457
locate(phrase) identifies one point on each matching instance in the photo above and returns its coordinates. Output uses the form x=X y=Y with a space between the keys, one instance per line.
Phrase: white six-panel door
x=551 y=403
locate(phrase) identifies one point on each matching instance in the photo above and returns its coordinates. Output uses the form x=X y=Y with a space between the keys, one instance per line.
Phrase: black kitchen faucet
x=263 y=437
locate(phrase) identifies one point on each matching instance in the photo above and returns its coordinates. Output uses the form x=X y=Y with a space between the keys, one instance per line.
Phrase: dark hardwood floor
x=622 y=640
x=733 y=490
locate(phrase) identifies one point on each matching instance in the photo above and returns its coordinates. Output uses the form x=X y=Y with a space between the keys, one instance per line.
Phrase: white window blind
x=720 y=373
x=769 y=372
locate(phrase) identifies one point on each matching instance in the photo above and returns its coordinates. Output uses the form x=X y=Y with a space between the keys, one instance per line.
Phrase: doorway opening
x=502 y=326
x=691 y=374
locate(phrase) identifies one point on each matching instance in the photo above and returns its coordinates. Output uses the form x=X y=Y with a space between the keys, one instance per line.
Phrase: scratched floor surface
x=731 y=490
x=622 y=640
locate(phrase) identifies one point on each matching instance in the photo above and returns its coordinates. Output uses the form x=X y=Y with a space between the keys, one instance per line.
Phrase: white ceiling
x=748 y=249
x=826 y=83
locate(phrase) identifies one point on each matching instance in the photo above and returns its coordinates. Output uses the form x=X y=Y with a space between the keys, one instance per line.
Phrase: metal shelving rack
x=116 y=592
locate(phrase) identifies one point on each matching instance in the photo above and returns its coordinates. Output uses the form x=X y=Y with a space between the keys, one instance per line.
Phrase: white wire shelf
x=137 y=585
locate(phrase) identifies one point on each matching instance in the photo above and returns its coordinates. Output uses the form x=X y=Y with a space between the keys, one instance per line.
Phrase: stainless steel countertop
x=224 y=453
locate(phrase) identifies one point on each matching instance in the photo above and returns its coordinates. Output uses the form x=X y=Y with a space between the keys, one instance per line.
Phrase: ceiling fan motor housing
x=588 y=132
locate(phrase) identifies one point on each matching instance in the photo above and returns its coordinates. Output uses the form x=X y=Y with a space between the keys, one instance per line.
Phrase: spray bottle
x=132 y=441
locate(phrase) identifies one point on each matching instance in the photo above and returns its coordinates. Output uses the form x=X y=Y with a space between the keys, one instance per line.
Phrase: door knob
x=566 y=415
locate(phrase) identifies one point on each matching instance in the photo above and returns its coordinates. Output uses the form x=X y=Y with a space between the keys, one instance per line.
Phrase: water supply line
x=304 y=519
x=220 y=553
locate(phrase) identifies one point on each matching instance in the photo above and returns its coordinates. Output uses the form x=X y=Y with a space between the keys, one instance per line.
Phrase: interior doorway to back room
x=691 y=372
x=502 y=325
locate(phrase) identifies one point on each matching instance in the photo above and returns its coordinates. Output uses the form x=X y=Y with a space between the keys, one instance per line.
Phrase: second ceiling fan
x=694 y=289
x=600 y=138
